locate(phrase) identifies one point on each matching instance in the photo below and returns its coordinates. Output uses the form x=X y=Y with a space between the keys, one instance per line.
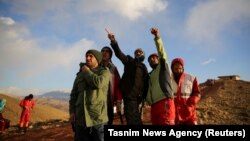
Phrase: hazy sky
x=42 y=42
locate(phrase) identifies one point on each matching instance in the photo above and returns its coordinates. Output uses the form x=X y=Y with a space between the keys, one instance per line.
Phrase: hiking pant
x=110 y=111
x=163 y=112
x=25 y=116
x=94 y=133
x=131 y=112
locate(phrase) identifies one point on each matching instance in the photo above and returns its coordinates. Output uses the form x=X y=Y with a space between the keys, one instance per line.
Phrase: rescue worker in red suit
x=114 y=92
x=186 y=92
x=160 y=95
x=27 y=105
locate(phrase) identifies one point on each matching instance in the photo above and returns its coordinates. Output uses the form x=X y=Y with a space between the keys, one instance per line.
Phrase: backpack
x=2 y=104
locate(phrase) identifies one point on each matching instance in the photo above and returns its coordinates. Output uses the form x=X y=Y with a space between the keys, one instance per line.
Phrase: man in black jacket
x=133 y=83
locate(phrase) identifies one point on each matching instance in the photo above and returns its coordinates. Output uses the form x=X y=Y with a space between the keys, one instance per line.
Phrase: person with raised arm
x=133 y=83
x=160 y=95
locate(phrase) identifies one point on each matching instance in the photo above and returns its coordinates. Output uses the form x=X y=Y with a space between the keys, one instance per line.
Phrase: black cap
x=109 y=49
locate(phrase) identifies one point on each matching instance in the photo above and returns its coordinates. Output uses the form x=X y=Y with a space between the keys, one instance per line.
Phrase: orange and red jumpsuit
x=27 y=105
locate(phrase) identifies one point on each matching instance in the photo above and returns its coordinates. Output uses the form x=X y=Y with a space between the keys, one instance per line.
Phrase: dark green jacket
x=88 y=98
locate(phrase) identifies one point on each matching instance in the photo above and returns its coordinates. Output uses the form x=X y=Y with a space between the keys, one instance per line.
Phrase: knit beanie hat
x=139 y=49
x=177 y=60
x=96 y=53
x=151 y=55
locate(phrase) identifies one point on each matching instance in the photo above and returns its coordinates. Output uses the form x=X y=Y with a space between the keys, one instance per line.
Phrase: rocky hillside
x=226 y=102
x=41 y=113
x=58 y=104
x=223 y=102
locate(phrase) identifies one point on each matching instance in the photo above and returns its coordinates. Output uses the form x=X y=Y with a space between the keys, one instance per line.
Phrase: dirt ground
x=61 y=133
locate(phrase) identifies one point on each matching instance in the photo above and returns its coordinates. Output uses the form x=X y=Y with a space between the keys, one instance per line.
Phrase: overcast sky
x=42 y=42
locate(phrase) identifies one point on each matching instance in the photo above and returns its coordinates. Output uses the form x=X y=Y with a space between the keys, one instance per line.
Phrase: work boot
x=21 y=130
x=25 y=129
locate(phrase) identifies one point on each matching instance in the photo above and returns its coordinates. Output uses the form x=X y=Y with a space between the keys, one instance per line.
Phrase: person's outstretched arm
x=165 y=70
x=159 y=44
x=118 y=53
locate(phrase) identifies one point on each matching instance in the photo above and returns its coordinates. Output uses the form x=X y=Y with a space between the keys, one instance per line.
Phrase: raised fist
x=155 y=32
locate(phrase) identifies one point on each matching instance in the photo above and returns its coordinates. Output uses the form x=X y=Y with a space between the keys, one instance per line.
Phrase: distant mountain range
x=58 y=95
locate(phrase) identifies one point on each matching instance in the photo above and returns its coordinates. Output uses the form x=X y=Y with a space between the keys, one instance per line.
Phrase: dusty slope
x=58 y=104
x=40 y=113
x=225 y=103
x=62 y=133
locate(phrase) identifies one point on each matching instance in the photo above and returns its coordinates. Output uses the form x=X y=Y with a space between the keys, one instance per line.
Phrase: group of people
x=173 y=97
x=98 y=87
